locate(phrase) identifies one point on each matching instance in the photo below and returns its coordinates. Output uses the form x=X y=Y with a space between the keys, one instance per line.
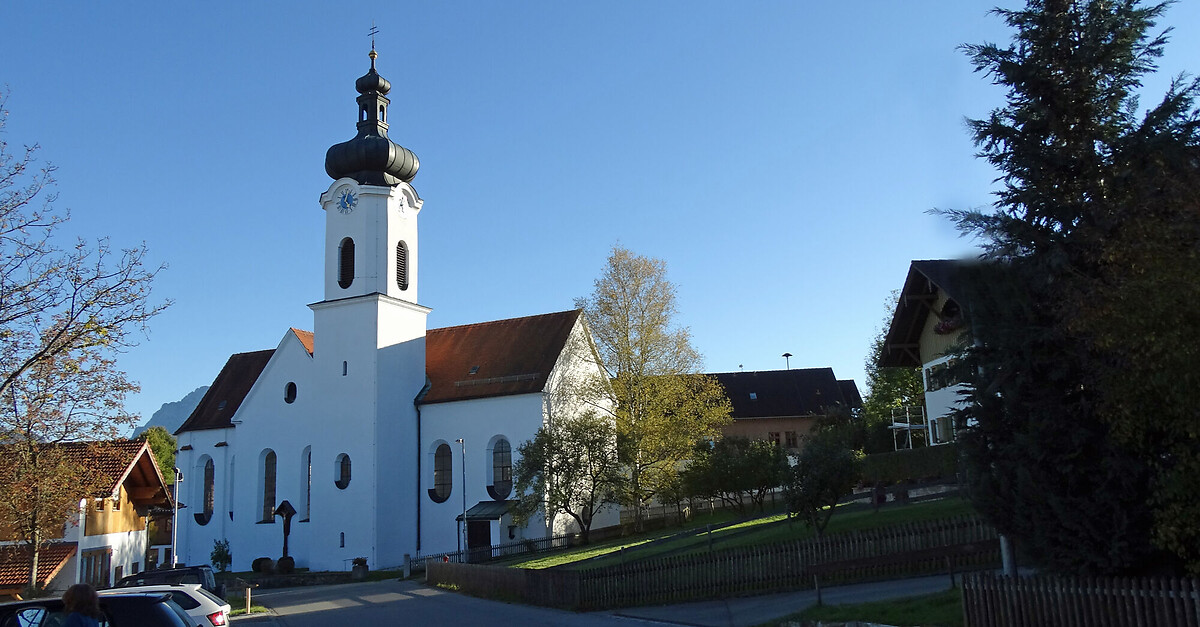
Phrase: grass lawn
x=943 y=609
x=237 y=605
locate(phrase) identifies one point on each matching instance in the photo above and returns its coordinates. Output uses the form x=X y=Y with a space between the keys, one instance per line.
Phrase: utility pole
x=463 y=528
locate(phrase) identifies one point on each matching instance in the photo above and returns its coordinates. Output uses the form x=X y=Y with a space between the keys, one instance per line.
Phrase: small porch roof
x=487 y=510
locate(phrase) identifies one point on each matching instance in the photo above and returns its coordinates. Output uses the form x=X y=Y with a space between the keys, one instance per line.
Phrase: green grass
x=943 y=609
x=237 y=605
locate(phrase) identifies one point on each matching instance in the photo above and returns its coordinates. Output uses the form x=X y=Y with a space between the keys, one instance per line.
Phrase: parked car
x=202 y=575
x=120 y=610
x=205 y=608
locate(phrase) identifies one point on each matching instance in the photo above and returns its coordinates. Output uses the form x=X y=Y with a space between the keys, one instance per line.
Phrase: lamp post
x=175 y=520
x=787 y=361
x=463 y=528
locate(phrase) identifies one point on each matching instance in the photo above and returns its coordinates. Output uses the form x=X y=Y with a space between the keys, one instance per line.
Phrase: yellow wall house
x=106 y=538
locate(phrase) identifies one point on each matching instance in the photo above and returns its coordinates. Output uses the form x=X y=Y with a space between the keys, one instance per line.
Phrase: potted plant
x=359 y=570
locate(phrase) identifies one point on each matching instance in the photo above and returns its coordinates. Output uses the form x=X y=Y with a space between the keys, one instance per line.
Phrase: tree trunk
x=37 y=548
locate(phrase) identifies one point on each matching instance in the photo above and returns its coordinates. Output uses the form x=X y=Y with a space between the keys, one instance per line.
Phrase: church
x=373 y=436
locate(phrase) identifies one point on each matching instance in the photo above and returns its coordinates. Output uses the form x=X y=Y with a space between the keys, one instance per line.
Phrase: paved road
x=386 y=603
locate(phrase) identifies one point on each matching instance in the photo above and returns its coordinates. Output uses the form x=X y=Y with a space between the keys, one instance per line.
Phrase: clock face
x=347 y=201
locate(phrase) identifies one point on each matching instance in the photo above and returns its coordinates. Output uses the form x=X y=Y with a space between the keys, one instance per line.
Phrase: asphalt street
x=388 y=603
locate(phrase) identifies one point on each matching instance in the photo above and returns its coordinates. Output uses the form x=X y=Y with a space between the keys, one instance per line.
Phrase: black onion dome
x=371 y=158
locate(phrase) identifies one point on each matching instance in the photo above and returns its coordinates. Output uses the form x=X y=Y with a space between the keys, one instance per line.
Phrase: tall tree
x=1079 y=166
x=663 y=408
x=66 y=310
x=887 y=389
x=162 y=444
x=570 y=466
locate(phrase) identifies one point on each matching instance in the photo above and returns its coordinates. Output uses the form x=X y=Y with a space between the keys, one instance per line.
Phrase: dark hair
x=83 y=599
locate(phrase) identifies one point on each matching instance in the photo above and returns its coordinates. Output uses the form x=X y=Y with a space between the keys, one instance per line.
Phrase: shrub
x=359 y=561
x=907 y=465
x=221 y=556
x=264 y=565
x=285 y=565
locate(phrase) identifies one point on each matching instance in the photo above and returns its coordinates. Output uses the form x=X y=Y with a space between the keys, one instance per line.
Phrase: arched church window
x=208 y=487
x=402 y=265
x=443 y=474
x=501 y=470
x=289 y=392
x=342 y=469
x=346 y=263
x=268 y=486
x=306 y=479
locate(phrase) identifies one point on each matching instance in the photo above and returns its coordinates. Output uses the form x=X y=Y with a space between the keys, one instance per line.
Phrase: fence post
x=817 y=585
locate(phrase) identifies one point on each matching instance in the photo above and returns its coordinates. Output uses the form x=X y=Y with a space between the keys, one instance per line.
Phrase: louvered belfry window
x=402 y=266
x=346 y=263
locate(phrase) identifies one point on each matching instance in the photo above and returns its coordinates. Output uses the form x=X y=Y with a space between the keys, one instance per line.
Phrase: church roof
x=228 y=391
x=785 y=393
x=497 y=358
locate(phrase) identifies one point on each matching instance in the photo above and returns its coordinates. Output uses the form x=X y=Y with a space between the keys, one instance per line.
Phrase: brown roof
x=496 y=358
x=228 y=391
x=121 y=462
x=16 y=559
x=305 y=337
x=917 y=298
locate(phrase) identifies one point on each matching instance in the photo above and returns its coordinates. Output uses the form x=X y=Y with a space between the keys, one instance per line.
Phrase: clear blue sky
x=781 y=157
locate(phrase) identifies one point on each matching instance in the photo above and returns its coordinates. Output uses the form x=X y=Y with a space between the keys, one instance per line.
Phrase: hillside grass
x=943 y=609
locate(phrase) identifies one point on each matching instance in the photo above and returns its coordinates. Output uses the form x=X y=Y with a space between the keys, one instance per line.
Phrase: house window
x=99 y=505
x=501 y=469
x=793 y=441
x=346 y=263
x=402 y=266
x=268 y=486
x=443 y=473
x=289 y=392
x=342 y=470
x=774 y=437
x=96 y=565
x=116 y=503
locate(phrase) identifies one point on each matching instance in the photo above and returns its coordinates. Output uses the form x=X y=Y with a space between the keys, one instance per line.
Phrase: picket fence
x=758 y=569
x=993 y=601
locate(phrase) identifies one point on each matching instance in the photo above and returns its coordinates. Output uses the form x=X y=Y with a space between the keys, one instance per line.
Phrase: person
x=82 y=605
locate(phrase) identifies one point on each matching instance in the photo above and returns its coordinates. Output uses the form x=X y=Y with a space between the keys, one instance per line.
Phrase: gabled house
x=928 y=325
x=784 y=405
x=106 y=537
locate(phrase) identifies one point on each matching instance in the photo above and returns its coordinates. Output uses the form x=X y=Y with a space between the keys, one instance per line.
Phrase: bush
x=909 y=465
x=221 y=556
x=360 y=561
x=285 y=565
x=264 y=565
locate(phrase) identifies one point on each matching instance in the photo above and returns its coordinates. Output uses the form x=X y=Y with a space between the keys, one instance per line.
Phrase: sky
x=783 y=158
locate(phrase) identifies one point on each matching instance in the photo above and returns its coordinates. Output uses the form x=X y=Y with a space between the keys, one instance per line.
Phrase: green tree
x=663 y=407
x=571 y=467
x=737 y=470
x=1053 y=460
x=67 y=309
x=162 y=444
x=887 y=389
x=826 y=470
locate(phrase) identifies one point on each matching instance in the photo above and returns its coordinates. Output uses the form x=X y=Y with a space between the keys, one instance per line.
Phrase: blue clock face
x=347 y=201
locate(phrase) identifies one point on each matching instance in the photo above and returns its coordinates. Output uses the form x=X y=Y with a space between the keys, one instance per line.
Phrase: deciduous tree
x=737 y=470
x=66 y=310
x=663 y=407
x=162 y=444
x=826 y=470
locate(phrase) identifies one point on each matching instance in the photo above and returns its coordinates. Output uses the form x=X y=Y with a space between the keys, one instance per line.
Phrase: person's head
x=82 y=598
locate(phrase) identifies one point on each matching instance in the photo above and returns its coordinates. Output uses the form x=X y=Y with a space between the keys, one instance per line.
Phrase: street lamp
x=463 y=527
x=787 y=361
x=175 y=520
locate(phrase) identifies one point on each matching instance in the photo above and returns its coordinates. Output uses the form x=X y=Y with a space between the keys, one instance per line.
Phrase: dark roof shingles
x=780 y=393
x=228 y=391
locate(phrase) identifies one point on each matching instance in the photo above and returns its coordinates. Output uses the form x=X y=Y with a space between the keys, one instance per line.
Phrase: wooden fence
x=993 y=601
x=792 y=565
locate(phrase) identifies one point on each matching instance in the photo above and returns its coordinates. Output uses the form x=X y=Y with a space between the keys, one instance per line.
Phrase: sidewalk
x=748 y=611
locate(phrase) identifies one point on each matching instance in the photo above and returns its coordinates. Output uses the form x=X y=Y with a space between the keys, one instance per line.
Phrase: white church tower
x=369 y=334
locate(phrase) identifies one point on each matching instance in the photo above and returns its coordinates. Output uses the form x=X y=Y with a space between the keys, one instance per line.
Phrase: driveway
x=386 y=603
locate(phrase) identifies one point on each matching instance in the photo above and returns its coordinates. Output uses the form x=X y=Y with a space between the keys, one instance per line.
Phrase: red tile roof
x=306 y=338
x=15 y=561
x=227 y=392
x=496 y=358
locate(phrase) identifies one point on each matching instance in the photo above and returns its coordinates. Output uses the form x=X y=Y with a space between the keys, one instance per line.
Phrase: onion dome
x=371 y=158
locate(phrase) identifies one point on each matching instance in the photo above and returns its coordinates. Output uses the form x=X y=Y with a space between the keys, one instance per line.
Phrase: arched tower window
x=342 y=470
x=501 y=470
x=382 y=114
x=402 y=265
x=443 y=474
x=346 y=263
x=268 y=486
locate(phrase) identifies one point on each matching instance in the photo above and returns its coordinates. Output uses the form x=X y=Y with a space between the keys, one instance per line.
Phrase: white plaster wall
x=516 y=417
x=383 y=216
x=939 y=403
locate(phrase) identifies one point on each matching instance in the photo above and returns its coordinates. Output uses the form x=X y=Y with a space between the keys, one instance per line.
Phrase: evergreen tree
x=1049 y=460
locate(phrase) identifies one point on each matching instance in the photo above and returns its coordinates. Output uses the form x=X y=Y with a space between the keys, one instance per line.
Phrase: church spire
x=371 y=158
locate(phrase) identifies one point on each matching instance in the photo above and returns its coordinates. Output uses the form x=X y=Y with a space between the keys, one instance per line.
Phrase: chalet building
x=784 y=405
x=927 y=326
x=371 y=435
x=106 y=538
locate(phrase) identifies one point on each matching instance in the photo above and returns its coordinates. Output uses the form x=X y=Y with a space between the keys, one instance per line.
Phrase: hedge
x=908 y=465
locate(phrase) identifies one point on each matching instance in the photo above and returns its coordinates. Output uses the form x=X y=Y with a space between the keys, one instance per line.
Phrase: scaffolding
x=906 y=420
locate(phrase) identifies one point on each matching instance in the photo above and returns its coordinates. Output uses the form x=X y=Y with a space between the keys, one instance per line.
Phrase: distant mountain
x=171 y=415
